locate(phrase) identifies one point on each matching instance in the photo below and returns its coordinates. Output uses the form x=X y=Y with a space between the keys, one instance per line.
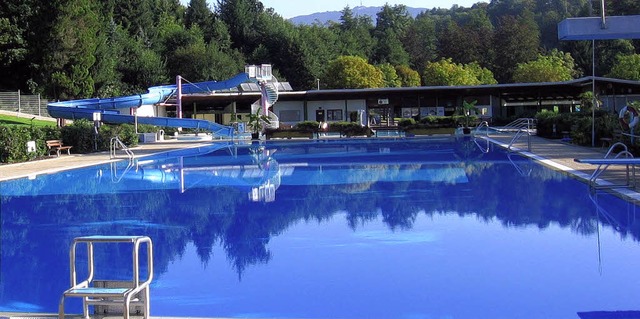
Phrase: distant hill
x=324 y=17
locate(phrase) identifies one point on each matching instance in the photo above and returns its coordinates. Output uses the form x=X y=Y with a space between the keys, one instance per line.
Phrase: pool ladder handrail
x=524 y=126
x=520 y=170
x=517 y=136
x=91 y=294
x=526 y=123
x=630 y=169
x=114 y=170
x=116 y=144
x=483 y=125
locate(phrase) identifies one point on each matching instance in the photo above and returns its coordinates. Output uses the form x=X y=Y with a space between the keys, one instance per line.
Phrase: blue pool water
x=408 y=228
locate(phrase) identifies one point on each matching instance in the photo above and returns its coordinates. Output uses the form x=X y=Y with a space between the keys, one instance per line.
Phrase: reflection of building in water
x=265 y=191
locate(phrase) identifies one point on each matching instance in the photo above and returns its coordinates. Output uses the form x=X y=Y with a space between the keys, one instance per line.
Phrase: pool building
x=493 y=101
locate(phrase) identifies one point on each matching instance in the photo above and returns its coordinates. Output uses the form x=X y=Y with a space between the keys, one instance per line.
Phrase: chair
x=109 y=292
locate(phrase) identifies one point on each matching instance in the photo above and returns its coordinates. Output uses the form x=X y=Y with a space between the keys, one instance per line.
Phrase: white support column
x=179 y=97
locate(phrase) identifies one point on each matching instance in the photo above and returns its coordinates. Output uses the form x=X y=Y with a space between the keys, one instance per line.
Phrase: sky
x=292 y=8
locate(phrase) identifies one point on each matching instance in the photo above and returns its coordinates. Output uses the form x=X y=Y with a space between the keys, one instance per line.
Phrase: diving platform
x=600 y=28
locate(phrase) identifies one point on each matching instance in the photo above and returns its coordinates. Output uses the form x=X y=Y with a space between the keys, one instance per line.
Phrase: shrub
x=309 y=126
x=13 y=142
x=349 y=129
x=578 y=124
x=437 y=121
x=406 y=122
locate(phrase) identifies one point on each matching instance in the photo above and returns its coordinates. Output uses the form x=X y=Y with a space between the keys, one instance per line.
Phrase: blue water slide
x=108 y=107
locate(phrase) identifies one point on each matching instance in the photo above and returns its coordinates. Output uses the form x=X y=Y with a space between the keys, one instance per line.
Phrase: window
x=290 y=116
x=334 y=115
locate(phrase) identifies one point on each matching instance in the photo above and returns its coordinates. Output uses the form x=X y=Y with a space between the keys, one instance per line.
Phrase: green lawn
x=15 y=120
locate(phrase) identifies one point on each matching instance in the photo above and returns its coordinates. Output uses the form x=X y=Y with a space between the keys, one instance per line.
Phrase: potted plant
x=467 y=107
x=257 y=122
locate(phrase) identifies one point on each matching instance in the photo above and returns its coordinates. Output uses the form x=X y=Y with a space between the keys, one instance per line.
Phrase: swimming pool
x=406 y=228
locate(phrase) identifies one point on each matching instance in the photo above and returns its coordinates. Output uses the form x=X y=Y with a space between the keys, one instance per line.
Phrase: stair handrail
x=116 y=143
x=483 y=148
x=114 y=170
x=483 y=125
x=520 y=123
x=521 y=132
x=518 y=168
x=631 y=169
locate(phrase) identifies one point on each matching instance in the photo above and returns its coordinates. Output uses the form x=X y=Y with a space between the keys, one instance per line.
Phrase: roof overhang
x=597 y=28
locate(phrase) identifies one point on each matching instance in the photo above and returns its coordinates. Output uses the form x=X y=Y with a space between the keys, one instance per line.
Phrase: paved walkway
x=553 y=153
x=560 y=155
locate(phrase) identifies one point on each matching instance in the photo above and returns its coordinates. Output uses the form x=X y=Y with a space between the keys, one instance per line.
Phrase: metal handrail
x=518 y=135
x=483 y=124
x=93 y=295
x=518 y=168
x=117 y=143
x=114 y=170
x=525 y=122
x=630 y=169
x=483 y=148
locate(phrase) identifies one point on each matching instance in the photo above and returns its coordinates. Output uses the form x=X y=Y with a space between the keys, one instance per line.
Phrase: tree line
x=69 y=49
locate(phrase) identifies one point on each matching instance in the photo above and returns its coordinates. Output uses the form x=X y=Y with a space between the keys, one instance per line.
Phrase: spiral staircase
x=261 y=74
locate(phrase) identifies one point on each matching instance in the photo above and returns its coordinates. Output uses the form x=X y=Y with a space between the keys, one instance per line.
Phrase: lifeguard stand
x=110 y=293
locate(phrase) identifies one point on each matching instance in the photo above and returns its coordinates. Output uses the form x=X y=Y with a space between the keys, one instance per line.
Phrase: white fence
x=29 y=104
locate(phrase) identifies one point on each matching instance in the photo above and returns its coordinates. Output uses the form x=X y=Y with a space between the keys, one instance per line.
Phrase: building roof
x=510 y=92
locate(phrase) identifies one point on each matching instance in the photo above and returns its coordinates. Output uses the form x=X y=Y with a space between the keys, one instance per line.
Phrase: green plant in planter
x=257 y=122
x=467 y=107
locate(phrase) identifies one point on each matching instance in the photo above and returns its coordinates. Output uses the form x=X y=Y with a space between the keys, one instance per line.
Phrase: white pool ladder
x=107 y=293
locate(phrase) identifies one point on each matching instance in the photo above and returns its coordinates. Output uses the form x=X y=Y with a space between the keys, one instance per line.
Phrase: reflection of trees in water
x=225 y=216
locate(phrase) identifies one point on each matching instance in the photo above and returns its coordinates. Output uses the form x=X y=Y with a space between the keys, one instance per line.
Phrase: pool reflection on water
x=409 y=228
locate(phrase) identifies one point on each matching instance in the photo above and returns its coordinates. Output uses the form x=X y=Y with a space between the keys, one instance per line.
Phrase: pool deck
x=560 y=155
x=53 y=164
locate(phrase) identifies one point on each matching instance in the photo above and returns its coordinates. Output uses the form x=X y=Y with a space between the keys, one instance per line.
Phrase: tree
x=608 y=51
x=72 y=46
x=446 y=72
x=420 y=41
x=391 y=26
x=407 y=76
x=186 y=54
x=199 y=14
x=518 y=42
x=135 y=16
x=22 y=25
x=241 y=17
x=12 y=45
x=452 y=42
x=355 y=34
x=107 y=79
x=281 y=45
x=389 y=75
x=484 y=75
x=626 y=67
x=351 y=72
x=321 y=45
x=139 y=66
x=390 y=50
x=555 y=67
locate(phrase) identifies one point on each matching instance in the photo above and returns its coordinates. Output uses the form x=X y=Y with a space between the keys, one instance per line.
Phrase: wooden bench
x=57 y=146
